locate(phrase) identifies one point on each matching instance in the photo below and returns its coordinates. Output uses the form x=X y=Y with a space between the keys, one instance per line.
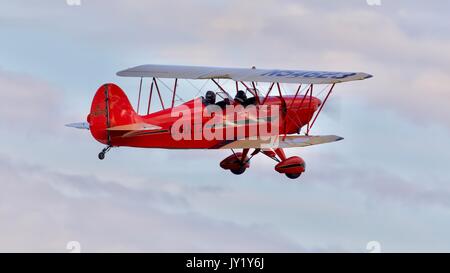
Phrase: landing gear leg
x=102 y=154
x=237 y=163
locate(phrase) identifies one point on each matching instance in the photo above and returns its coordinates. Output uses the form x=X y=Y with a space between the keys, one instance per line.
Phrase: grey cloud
x=41 y=210
x=382 y=184
x=28 y=102
x=287 y=34
x=45 y=207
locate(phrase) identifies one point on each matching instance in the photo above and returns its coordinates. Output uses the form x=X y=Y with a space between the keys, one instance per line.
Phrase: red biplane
x=249 y=120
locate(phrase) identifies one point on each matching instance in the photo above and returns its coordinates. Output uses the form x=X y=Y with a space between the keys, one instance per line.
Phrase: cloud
x=380 y=184
x=27 y=102
x=286 y=34
x=42 y=210
x=176 y=203
x=351 y=36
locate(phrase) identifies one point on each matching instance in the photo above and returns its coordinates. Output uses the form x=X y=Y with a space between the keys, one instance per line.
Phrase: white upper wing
x=242 y=74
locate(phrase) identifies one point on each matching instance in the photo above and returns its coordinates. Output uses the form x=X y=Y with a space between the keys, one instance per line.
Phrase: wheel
x=293 y=175
x=239 y=171
x=101 y=156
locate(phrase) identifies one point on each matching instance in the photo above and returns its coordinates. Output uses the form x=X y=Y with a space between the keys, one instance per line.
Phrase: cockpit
x=222 y=99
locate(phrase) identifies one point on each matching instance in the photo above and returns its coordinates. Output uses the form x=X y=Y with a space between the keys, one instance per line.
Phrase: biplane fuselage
x=293 y=114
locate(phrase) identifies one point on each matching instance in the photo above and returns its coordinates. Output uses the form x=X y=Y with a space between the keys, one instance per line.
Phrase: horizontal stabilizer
x=280 y=142
x=79 y=125
x=135 y=127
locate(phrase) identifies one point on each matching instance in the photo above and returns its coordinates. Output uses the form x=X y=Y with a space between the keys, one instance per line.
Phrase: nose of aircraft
x=305 y=101
x=316 y=102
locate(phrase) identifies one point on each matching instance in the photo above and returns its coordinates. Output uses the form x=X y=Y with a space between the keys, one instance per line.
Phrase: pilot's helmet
x=240 y=96
x=210 y=97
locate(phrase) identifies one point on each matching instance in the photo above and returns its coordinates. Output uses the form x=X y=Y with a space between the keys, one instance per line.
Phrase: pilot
x=210 y=98
x=223 y=103
x=241 y=98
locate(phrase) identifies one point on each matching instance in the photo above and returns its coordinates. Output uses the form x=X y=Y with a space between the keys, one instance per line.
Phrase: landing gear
x=237 y=163
x=238 y=171
x=102 y=154
x=292 y=167
x=293 y=175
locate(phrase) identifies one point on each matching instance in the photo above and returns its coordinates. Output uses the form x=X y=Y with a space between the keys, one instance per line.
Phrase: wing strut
x=320 y=109
x=139 y=96
x=295 y=117
x=159 y=93
x=174 y=92
x=268 y=93
x=296 y=94
x=150 y=98
x=220 y=87
x=250 y=90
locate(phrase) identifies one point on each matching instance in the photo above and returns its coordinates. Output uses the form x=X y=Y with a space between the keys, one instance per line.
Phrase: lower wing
x=279 y=142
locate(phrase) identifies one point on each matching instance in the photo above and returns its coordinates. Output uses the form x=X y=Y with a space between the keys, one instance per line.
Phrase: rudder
x=110 y=107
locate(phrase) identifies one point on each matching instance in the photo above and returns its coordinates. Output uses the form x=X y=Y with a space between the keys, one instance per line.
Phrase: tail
x=110 y=108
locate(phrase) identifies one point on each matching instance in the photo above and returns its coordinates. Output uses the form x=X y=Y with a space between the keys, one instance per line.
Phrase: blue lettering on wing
x=307 y=74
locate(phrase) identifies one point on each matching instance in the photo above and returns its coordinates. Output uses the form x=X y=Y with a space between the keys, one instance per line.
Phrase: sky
x=388 y=181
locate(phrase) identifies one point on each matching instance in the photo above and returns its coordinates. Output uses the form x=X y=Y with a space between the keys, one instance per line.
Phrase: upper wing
x=242 y=74
x=280 y=142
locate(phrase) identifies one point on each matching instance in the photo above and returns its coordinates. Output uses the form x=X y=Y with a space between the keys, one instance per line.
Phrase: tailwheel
x=102 y=154
x=293 y=175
